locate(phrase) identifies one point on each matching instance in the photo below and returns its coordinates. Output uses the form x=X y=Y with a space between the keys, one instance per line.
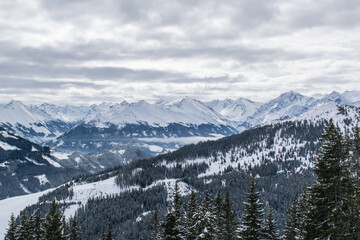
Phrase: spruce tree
x=10 y=234
x=23 y=230
x=179 y=213
x=219 y=216
x=271 y=228
x=53 y=224
x=192 y=209
x=252 y=222
x=75 y=233
x=230 y=220
x=173 y=225
x=328 y=200
x=205 y=219
x=156 y=227
x=38 y=225
x=291 y=221
x=109 y=234
x=169 y=225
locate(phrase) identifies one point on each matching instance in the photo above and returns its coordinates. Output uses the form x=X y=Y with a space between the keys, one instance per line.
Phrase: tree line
x=51 y=227
x=214 y=219
x=327 y=209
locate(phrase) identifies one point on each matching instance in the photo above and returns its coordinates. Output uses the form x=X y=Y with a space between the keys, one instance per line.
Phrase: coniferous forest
x=326 y=209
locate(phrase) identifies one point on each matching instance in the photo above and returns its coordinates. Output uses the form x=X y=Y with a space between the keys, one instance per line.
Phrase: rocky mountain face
x=27 y=167
x=279 y=155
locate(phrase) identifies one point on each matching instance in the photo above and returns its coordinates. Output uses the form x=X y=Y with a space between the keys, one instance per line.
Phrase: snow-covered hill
x=280 y=155
x=26 y=167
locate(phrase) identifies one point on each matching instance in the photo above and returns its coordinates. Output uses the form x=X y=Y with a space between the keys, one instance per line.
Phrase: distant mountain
x=39 y=123
x=26 y=167
x=284 y=107
x=154 y=128
x=237 y=111
x=279 y=155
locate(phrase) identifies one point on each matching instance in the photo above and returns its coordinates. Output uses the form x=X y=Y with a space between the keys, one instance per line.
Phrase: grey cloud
x=338 y=13
x=19 y=83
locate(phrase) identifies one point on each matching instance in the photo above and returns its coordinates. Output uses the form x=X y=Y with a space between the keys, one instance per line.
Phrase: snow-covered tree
x=329 y=195
x=205 y=219
x=53 y=224
x=75 y=233
x=271 y=228
x=252 y=221
x=230 y=220
x=10 y=234
x=192 y=209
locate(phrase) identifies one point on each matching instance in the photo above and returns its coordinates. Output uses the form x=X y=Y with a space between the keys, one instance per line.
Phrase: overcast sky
x=89 y=51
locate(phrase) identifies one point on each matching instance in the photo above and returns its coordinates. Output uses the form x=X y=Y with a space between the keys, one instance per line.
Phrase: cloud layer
x=89 y=51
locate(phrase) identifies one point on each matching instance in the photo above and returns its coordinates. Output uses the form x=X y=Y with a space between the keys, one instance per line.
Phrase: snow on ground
x=52 y=162
x=8 y=147
x=15 y=205
x=60 y=155
x=153 y=148
x=42 y=179
x=7 y=135
x=34 y=162
x=33 y=149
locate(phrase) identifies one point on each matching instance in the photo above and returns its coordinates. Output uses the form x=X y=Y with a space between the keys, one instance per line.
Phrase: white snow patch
x=4 y=164
x=7 y=135
x=52 y=162
x=34 y=149
x=60 y=155
x=8 y=147
x=42 y=179
x=71 y=210
x=34 y=162
x=25 y=189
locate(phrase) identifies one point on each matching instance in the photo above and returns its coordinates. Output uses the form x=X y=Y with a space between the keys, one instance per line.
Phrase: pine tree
x=230 y=221
x=38 y=226
x=53 y=224
x=173 y=225
x=109 y=234
x=192 y=209
x=23 y=231
x=169 y=225
x=205 y=219
x=103 y=234
x=179 y=214
x=252 y=225
x=329 y=205
x=356 y=173
x=271 y=228
x=10 y=234
x=219 y=216
x=156 y=227
x=291 y=221
x=75 y=233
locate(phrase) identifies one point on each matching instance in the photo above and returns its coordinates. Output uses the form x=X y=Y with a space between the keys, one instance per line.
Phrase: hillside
x=280 y=155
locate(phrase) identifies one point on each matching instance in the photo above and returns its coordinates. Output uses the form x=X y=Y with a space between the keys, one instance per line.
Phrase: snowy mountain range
x=280 y=155
x=155 y=128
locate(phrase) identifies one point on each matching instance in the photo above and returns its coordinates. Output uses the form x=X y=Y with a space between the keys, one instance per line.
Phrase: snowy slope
x=286 y=106
x=15 y=205
x=52 y=112
x=235 y=110
x=184 y=111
